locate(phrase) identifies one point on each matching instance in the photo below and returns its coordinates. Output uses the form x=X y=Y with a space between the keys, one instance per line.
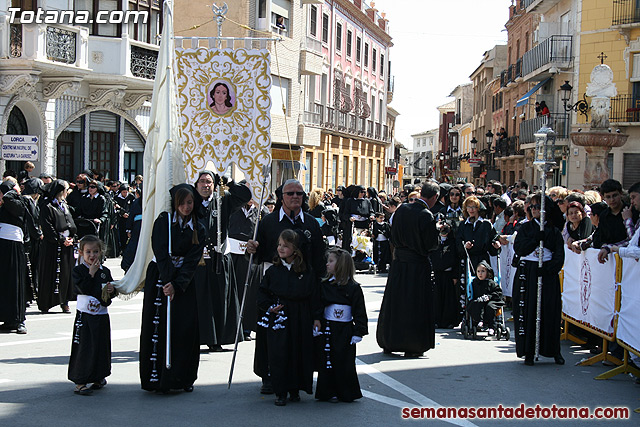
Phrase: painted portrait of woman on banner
x=221 y=97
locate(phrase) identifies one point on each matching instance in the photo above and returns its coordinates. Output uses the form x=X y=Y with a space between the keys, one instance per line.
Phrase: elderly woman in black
x=57 y=260
x=357 y=212
x=170 y=274
x=525 y=287
x=92 y=212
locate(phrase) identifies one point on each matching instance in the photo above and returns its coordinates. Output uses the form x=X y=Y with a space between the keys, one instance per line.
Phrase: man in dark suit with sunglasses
x=289 y=216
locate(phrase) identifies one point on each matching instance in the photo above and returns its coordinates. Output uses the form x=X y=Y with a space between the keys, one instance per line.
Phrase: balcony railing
x=144 y=62
x=15 y=40
x=61 y=45
x=559 y=122
x=625 y=108
x=555 y=49
x=349 y=123
x=503 y=79
x=625 y=12
x=508 y=147
x=313 y=45
x=518 y=69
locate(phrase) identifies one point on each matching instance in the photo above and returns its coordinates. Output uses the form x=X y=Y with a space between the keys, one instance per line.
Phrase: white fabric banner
x=629 y=317
x=589 y=290
x=225 y=104
x=507 y=272
x=163 y=158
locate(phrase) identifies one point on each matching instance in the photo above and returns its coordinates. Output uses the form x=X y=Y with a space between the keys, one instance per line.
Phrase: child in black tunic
x=90 y=360
x=487 y=298
x=287 y=296
x=343 y=323
x=381 y=249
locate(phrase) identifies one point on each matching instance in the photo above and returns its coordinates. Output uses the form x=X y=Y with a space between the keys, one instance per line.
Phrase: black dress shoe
x=294 y=396
x=386 y=351
x=215 y=348
x=528 y=360
x=266 y=388
x=559 y=359
x=281 y=400
x=408 y=354
x=188 y=389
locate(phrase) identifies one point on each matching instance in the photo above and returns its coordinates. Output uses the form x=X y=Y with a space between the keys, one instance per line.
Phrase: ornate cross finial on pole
x=220 y=12
x=602 y=57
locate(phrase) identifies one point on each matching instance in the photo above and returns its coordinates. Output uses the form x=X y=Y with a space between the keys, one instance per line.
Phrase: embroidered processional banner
x=224 y=101
x=589 y=290
x=629 y=317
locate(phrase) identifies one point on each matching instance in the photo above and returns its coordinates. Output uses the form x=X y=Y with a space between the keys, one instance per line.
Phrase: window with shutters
x=325 y=28
x=366 y=54
x=358 y=49
x=349 y=38
x=374 y=56
x=313 y=28
x=147 y=32
x=338 y=37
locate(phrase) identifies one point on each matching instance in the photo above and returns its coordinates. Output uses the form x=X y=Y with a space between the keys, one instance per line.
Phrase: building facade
x=421 y=158
x=83 y=91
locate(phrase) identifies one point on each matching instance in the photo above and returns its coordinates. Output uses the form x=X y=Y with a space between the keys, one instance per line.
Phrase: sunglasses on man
x=292 y=193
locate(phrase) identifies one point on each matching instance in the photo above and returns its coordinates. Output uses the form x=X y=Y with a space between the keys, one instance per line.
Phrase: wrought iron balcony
x=144 y=62
x=539 y=6
x=503 y=79
x=347 y=123
x=625 y=108
x=15 y=40
x=559 y=122
x=554 y=50
x=625 y=12
x=61 y=45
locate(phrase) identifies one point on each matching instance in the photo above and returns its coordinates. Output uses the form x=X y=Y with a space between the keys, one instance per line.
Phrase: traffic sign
x=20 y=147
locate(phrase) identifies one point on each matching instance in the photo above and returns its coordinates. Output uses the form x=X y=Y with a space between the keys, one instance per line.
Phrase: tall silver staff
x=545 y=149
x=168 y=350
x=265 y=174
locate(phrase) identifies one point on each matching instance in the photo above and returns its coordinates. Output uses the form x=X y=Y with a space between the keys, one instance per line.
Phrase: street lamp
x=545 y=148
x=582 y=106
x=474 y=144
x=489 y=136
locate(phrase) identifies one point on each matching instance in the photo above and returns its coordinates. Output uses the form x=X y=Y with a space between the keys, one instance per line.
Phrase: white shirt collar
x=177 y=218
x=283 y=214
x=88 y=266
x=286 y=264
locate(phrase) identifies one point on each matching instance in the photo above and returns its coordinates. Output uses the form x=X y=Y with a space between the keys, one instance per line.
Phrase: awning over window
x=525 y=98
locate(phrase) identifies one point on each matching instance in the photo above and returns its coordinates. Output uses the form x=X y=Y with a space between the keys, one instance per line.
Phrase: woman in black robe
x=123 y=201
x=356 y=213
x=525 y=288
x=172 y=276
x=12 y=260
x=91 y=214
x=57 y=257
x=33 y=188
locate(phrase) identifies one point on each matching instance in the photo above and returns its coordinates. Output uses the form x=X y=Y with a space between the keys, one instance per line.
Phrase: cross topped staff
x=602 y=57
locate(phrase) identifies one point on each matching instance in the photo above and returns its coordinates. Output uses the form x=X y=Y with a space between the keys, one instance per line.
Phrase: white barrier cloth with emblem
x=589 y=290
x=507 y=271
x=629 y=317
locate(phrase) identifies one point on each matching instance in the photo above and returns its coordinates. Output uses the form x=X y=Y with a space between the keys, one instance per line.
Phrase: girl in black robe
x=90 y=360
x=446 y=264
x=381 y=248
x=487 y=298
x=12 y=260
x=343 y=323
x=525 y=288
x=288 y=298
x=170 y=274
x=57 y=258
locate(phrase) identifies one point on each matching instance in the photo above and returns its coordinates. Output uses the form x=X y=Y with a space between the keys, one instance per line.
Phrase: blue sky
x=437 y=45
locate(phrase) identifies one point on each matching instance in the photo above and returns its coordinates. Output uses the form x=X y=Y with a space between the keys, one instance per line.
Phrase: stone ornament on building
x=106 y=94
x=55 y=87
x=18 y=83
x=97 y=57
x=135 y=99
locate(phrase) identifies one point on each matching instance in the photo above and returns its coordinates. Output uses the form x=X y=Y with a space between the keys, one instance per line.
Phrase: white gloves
x=483 y=298
x=316 y=332
x=355 y=339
